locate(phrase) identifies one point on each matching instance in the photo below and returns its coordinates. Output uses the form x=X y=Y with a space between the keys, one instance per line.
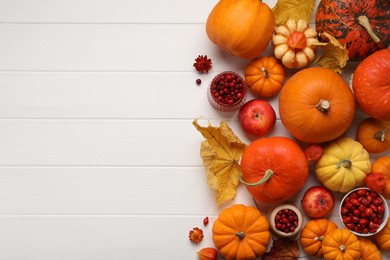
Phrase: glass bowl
x=227 y=91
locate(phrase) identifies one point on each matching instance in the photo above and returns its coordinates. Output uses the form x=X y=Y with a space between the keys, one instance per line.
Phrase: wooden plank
x=109 y=47
x=101 y=11
x=105 y=142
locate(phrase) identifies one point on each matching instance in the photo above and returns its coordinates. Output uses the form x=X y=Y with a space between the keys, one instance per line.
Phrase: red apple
x=317 y=202
x=257 y=117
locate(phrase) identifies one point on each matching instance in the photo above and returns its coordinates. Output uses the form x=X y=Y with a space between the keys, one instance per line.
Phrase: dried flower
x=196 y=235
x=203 y=64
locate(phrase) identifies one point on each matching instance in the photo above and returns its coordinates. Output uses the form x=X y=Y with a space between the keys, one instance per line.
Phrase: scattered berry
x=205 y=221
x=203 y=64
x=198 y=81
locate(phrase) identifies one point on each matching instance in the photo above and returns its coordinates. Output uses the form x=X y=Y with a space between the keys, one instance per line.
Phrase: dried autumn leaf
x=283 y=249
x=293 y=9
x=334 y=56
x=220 y=153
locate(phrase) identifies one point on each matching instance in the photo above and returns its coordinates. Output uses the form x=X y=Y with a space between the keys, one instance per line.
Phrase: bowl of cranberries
x=363 y=211
x=227 y=91
x=286 y=220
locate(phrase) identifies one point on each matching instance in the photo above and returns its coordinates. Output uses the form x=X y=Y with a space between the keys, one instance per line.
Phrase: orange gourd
x=241 y=232
x=382 y=165
x=265 y=76
x=242 y=28
x=374 y=135
x=368 y=250
x=274 y=169
x=371 y=85
x=316 y=105
x=313 y=233
x=383 y=237
x=341 y=244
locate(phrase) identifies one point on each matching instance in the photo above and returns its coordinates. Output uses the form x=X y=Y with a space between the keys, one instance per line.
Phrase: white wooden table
x=99 y=159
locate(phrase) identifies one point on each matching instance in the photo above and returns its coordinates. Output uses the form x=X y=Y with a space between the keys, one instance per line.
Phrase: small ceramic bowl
x=363 y=211
x=276 y=220
x=227 y=91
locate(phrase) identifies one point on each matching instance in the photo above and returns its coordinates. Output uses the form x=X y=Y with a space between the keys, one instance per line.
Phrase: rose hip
x=286 y=220
x=362 y=211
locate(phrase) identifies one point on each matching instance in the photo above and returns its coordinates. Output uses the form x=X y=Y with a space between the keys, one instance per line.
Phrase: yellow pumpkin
x=343 y=165
x=241 y=233
x=313 y=234
x=242 y=28
x=368 y=250
x=341 y=244
x=383 y=237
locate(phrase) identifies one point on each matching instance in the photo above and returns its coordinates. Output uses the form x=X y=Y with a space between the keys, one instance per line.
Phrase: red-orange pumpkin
x=274 y=169
x=316 y=105
x=363 y=26
x=371 y=85
x=374 y=135
x=242 y=28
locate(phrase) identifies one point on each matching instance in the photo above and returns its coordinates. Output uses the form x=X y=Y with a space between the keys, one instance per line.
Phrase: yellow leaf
x=334 y=56
x=293 y=9
x=220 y=153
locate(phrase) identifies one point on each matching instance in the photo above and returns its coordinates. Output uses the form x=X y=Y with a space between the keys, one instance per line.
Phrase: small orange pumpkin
x=265 y=76
x=316 y=105
x=241 y=232
x=368 y=250
x=341 y=244
x=374 y=135
x=382 y=238
x=313 y=233
x=242 y=28
x=382 y=166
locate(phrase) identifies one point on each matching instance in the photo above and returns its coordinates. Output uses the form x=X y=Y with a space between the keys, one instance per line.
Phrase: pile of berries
x=286 y=220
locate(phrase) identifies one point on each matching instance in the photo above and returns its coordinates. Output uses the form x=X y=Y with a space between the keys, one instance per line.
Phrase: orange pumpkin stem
x=363 y=21
x=240 y=235
x=297 y=40
x=323 y=105
x=268 y=174
x=380 y=136
x=265 y=71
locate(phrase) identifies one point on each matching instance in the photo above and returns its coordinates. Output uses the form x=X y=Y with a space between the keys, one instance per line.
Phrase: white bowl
x=272 y=220
x=384 y=217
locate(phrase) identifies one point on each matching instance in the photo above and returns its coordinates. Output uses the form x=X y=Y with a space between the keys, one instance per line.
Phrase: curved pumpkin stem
x=265 y=71
x=240 y=235
x=268 y=174
x=363 y=21
x=323 y=105
x=344 y=163
x=319 y=238
x=381 y=135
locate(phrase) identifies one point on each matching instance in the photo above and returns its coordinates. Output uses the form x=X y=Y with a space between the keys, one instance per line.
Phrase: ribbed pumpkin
x=242 y=28
x=368 y=250
x=371 y=85
x=382 y=165
x=241 y=232
x=374 y=135
x=382 y=238
x=341 y=244
x=316 y=105
x=313 y=233
x=274 y=169
x=363 y=26
x=264 y=76
x=343 y=165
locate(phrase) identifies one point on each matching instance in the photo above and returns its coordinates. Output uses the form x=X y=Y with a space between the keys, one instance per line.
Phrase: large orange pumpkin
x=371 y=85
x=241 y=233
x=382 y=165
x=242 y=28
x=316 y=105
x=274 y=169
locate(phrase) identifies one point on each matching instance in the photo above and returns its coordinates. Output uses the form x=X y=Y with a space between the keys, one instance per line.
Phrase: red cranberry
x=286 y=220
x=198 y=81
